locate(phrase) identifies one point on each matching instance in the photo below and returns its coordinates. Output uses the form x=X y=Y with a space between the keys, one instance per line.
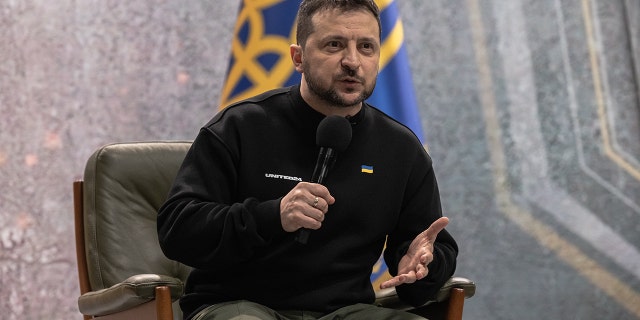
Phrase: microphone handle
x=326 y=156
x=323 y=163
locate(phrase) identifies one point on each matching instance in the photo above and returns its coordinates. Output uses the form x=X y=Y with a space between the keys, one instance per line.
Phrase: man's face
x=339 y=63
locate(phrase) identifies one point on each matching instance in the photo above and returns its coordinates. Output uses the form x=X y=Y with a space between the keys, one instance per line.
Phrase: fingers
x=413 y=266
x=423 y=242
x=318 y=203
x=316 y=190
x=393 y=282
x=421 y=271
x=409 y=277
x=436 y=227
x=305 y=206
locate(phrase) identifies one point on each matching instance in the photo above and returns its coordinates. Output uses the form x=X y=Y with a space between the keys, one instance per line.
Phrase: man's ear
x=296 y=56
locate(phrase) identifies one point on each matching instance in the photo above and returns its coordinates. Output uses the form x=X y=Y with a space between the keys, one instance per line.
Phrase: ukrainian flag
x=366 y=169
x=260 y=61
x=260 y=58
x=394 y=93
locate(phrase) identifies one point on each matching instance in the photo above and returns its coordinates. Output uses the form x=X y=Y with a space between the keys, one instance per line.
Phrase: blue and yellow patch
x=366 y=169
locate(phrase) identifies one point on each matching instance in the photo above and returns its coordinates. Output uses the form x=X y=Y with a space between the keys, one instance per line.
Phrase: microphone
x=332 y=136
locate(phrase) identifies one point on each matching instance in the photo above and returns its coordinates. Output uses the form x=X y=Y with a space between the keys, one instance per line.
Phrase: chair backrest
x=124 y=185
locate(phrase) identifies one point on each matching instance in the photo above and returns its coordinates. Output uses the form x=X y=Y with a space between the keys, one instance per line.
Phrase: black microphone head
x=334 y=132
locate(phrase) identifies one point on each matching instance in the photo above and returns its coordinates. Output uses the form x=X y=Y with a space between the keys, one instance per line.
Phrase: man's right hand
x=305 y=206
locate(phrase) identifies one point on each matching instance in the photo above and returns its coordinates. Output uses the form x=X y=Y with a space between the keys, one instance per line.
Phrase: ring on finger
x=315 y=202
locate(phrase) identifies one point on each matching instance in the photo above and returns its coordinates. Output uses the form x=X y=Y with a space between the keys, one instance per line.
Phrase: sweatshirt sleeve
x=421 y=208
x=199 y=224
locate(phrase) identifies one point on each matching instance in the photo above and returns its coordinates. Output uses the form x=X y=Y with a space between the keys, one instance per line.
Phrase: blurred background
x=530 y=110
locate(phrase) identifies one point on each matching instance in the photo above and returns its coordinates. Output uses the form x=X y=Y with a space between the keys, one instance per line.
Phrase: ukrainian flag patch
x=366 y=169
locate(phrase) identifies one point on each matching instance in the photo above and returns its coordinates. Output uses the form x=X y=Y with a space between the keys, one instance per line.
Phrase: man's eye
x=334 y=44
x=367 y=46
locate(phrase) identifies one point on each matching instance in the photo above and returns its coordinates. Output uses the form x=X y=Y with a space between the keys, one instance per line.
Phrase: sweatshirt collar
x=305 y=111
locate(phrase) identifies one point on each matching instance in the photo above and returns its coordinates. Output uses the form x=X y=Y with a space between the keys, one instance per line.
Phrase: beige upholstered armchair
x=123 y=273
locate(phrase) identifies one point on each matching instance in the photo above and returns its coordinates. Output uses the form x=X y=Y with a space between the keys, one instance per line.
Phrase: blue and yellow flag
x=260 y=58
x=394 y=93
x=260 y=61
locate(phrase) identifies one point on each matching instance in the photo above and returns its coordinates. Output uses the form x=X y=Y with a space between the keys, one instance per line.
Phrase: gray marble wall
x=531 y=110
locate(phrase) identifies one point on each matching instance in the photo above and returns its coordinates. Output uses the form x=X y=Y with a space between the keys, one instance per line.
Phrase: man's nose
x=351 y=60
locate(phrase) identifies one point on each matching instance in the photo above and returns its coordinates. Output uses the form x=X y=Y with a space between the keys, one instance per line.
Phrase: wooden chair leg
x=163 y=303
x=456 y=304
x=78 y=213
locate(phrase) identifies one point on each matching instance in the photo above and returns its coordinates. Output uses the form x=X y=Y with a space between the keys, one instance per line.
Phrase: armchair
x=123 y=274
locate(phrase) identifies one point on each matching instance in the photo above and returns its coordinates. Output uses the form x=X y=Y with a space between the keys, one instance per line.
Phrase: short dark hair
x=310 y=7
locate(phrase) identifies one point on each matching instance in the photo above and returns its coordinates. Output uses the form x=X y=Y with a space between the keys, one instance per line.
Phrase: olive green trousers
x=247 y=310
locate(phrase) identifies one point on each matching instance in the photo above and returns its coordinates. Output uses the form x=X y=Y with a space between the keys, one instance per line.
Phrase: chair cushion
x=124 y=185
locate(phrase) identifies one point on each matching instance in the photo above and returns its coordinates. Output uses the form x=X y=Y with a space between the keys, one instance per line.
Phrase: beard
x=330 y=95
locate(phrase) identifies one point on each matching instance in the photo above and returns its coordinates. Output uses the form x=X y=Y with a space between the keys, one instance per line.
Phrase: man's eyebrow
x=332 y=37
x=369 y=39
x=340 y=37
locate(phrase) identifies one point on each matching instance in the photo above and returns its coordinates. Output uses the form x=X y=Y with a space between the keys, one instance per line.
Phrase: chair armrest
x=389 y=297
x=127 y=294
x=467 y=285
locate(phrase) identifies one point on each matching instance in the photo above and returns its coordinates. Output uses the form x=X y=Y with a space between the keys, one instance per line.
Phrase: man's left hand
x=413 y=265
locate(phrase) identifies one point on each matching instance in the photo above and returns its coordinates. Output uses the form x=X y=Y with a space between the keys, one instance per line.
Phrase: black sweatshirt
x=222 y=216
